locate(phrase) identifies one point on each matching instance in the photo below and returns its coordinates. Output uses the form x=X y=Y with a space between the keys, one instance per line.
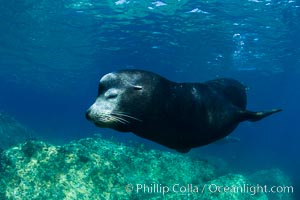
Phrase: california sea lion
x=180 y=116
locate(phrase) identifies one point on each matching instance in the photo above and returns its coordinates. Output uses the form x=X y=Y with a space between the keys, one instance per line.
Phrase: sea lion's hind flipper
x=256 y=116
x=183 y=150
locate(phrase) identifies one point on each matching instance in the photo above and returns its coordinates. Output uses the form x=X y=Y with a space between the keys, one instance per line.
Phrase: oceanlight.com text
x=156 y=188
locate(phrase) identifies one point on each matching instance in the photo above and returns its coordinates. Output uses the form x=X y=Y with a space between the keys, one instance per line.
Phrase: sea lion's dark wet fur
x=180 y=116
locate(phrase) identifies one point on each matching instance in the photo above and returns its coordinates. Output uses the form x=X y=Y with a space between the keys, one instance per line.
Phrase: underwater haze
x=53 y=53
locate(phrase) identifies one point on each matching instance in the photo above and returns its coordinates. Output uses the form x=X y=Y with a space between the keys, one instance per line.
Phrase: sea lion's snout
x=88 y=114
x=101 y=115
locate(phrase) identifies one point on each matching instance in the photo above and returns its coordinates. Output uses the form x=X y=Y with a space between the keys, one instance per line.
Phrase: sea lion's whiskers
x=124 y=121
x=126 y=115
x=102 y=117
x=118 y=120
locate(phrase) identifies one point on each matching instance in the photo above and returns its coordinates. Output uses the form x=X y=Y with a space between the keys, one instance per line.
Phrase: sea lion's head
x=121 y=100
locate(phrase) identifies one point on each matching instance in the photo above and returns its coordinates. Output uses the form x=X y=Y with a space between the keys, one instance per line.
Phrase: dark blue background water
x=52 y=54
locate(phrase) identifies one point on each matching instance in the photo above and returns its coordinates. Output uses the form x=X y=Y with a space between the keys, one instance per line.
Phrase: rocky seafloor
x=96 y=168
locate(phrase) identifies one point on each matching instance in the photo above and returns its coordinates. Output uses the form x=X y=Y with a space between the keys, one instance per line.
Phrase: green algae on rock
x=95 y=168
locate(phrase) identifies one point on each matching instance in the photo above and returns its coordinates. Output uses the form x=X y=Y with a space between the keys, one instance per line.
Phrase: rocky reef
x=95 y=168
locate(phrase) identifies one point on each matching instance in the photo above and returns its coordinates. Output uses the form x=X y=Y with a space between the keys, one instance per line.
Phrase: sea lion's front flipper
x=256 y=116
x=183 y=150
x=227 y=140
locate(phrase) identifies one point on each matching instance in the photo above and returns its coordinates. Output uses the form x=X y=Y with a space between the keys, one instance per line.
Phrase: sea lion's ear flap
x=137 y=87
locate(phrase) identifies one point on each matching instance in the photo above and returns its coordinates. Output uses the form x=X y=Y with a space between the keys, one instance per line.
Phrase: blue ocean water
x=52 y=54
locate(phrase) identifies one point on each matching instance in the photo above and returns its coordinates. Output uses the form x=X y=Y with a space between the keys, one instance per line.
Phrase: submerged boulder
x=279 y=184
x=95 y=168
x=12 y=132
